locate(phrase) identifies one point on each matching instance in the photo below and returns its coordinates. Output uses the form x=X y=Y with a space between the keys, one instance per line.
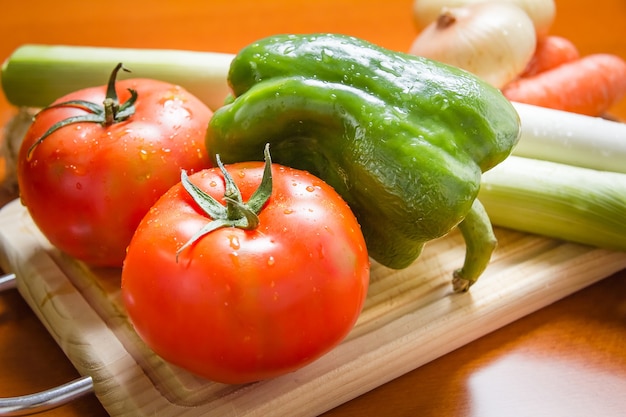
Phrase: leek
x=36 y=75
x=557 y=200
x=573 y=139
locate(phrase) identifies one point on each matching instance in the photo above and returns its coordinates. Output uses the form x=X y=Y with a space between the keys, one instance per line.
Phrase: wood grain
x=565 y=360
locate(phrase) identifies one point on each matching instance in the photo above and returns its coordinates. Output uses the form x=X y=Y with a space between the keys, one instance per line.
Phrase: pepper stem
x=480 y=243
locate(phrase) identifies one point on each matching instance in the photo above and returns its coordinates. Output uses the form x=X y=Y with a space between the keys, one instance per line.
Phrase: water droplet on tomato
x=234 y=242
x=78 y=169
x=288 y=211
x=271 y=261
x=310 y=188
x=79 y=186
x=212 y=184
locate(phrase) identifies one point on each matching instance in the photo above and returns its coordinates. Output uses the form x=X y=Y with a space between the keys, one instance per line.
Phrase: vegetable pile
x=509 y=44
x=566 y=178
x=244 y=226
x=403 y=139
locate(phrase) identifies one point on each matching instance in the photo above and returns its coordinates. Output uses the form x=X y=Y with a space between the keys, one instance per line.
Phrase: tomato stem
x=111 y=103
x=107 y=113
x=236 y=212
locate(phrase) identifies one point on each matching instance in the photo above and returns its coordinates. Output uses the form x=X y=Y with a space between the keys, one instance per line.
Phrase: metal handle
x=44 y=400
x=7 y=282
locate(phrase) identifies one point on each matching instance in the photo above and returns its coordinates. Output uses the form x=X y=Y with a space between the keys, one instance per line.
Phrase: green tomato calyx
x=236 y=212
x=106 y=114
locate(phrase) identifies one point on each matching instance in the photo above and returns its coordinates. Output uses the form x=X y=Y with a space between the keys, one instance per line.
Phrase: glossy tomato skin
x=246 y=305
x=87 y=186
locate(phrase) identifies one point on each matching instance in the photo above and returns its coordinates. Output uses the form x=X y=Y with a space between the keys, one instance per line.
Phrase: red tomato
x=87 y=185
x=244 y=305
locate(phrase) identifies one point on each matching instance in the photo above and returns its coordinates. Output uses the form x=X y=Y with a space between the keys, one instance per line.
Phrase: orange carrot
x=550 y=52
x=589 y=85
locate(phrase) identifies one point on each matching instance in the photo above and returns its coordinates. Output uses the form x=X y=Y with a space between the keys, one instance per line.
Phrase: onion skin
x=541 y=12
x=494 y=41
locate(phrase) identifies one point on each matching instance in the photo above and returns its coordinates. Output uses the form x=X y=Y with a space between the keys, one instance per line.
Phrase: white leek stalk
x=573 y=139
x=36 y=75
x=557 y=200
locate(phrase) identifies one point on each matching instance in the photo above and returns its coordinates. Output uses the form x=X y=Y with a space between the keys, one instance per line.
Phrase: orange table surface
x=567 y=359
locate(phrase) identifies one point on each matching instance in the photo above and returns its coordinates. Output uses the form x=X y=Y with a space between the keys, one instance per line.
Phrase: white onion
x=541 y=12
x=494 y=41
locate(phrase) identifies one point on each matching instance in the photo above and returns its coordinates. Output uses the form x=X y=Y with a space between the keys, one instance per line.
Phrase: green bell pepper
x=403 y=139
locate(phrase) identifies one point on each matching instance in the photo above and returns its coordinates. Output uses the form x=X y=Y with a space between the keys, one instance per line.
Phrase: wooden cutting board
x=411 y=317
